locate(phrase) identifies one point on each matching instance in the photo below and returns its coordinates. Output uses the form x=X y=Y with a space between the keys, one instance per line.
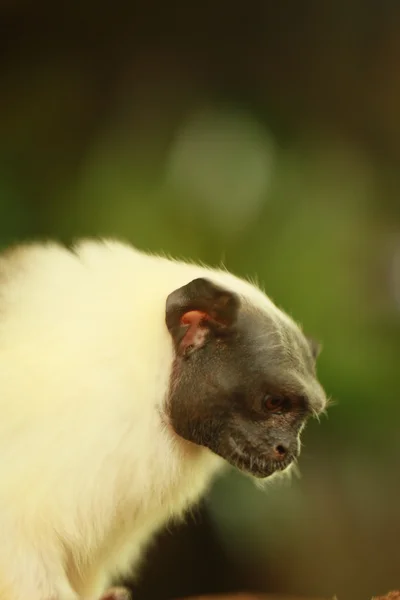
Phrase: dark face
x=243 y=381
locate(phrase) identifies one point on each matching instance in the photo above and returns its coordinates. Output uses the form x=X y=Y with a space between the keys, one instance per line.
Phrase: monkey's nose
x=280 y=451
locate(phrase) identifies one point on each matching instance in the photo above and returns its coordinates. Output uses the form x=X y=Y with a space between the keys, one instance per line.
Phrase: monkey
x=128 y=382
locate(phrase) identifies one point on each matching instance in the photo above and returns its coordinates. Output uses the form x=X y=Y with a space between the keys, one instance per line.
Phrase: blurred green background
x=267 y=135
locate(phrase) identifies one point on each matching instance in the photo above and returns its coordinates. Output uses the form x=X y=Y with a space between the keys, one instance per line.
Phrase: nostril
x=280 y=450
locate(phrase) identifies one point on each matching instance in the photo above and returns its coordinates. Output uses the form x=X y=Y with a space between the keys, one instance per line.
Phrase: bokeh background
x=267 y=135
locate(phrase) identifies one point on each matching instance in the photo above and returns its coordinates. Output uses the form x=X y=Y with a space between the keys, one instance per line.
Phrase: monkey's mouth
x=254 y=463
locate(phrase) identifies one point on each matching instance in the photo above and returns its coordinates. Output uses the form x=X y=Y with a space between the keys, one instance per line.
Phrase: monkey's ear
x=197 y=311
x=315 y=347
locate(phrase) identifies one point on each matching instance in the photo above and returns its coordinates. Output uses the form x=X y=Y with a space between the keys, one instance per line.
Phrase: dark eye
x=273 y=403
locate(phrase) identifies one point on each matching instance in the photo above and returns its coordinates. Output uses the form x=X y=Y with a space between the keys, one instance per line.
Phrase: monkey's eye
x=274 y=403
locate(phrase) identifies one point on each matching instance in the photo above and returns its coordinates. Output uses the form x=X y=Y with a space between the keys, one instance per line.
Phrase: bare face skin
x=243 y=382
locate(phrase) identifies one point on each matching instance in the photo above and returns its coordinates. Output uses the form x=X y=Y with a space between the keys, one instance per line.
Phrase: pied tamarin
x=127 y=382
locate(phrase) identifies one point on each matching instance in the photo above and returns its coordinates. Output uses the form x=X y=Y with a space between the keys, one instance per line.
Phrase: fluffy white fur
x=88 y=469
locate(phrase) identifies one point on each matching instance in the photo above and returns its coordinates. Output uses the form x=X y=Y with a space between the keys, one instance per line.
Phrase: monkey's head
x=243 y=380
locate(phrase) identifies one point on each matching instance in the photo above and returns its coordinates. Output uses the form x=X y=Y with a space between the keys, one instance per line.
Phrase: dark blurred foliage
x=267 y=135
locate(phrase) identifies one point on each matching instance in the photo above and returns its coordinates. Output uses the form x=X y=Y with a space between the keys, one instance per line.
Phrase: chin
x=257 y=467
x=264 y=471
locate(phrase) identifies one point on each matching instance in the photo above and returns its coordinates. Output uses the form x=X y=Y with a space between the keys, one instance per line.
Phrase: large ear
x=315 y=347
x=197 y=311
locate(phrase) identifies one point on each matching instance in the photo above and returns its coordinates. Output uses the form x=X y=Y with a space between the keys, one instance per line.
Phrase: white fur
x=88 y=470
